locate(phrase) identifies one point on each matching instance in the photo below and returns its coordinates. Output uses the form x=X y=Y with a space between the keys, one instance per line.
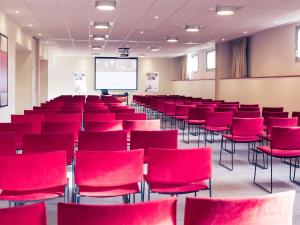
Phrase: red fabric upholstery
x=153 y=139
x=149 y=213
x=249 y=105
x=32 y=175
x=284 y=153
x=34 y=214
x=249 y=109
x=198 y=115
x=7 y=144
x=260 y=210
x=182 y=111
x=96 y=110
x=69 y=111
x=225 y=109
x=143 y=125
x=108 y=172
x=61 y=127
x=34 y=143
x=247 y=114
x=268 y=115
x=131 y=116
x=286 y=138
x=165 y=177
x=218 y=121
x=99 y=141
x=98 y=117
x=41 y=111
x=112 y=125
x=281 y=122
x=64 y=118
x=272 y=109
x=122 y=110
x=35 y=119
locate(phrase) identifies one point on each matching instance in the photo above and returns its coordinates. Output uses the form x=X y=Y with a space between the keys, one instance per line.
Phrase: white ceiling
x=66 y=23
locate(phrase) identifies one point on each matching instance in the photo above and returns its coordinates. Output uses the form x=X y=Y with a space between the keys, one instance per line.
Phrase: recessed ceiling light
x=99 y=37
x=245 y=32
x=225 y=10
x=40 y=34
x=17 y=12
x=172 y=39
x=47 y=42
x=156 y=17
x=223 y=39
x=30 y=25
x=192 y=43
x=96 y=47
x=102 y=25
x=154 y=49
x=106 y=5
x=192 y=28
x=141 y=32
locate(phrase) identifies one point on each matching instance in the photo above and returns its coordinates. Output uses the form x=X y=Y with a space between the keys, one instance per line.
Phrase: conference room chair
x=69 y=111
x=249 y=105
x=48 y=142
x=98 y=117
x=225 y=109
x=181 y=114
x=33 y=177
x=169 y=113
x=160 y=212
x=19 y=129
x=285 y=144
x=167 y=139
x=122 y=110
x=222 y=102
x=164 y=177
x=108 y=174
x=257 y=210
x=272 y=109
x=196 y=117
x=243 y=130
x=100 y=141
x=33 y=214
x=247 y=114
x=267 y=115
x=8 y=144
x=35 y=119
x=215 y=123
x=296 y=114
x=96 y=110
x=131 y=116
x=227 y=105
x=76 y=117
x=94 y=105
x=40 y=111
x=142 y=125
x=103 y=126
x=249 y=109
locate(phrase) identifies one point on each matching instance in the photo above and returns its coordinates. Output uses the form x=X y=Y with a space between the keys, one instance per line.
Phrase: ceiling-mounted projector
x=124 y=52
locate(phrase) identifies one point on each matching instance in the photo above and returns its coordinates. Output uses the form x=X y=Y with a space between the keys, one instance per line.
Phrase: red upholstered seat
x=195 y=122
x=99 y=117
x=131 y=116
x=280 y=152
x=102 y=126
x=7 y=143
x=35 y=119
x=237 y=138
x=259 y=210
x=33 y=214
x=162 y=212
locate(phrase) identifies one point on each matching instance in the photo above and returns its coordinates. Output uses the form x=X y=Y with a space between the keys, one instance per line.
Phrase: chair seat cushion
x=216 y=129
x=178 y=188
x=109 y=191
x=196 y=122
x=32 y=195
x=181 y=117
x=279 y=152
x=241 y=138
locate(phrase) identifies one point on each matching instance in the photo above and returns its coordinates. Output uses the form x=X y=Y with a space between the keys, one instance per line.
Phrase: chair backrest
x=8 y=143
x=195 y=165
x=99 y=117
x=249 y=105
x=281 y=122
x=182 y=110
x=247 y=114
x=35 y=119
x=219 y=119
x=98 y=110
x=149 y=213
x=122 y=110
x=35 y=143
x=69 y=111
x=153 y=139
x=225 y=109
x=285 y=138
x=29 y=172
x=259 y=210
x=130 y=125
x=249 y=109
x=272 y=109
x=41 y=111
x=99 y=141
x=199 y=113
x=64 y=118
x=61 y=127
x=103 y=126
x=268 y=115
x=108 y=168
x=131 y=116
x=247 y=126
x=33 y=214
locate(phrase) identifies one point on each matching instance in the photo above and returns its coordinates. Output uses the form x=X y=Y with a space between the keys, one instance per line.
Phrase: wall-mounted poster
x=3 y=71
x=79 y=84
x=152 y=82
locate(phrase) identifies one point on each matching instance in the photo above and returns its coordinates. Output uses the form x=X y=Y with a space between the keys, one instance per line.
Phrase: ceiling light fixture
x=172 y=39
x=156 y=17
x=225 y=10
x=223 y=39
x=106 y=5
x=154 y=49
x=40 y=34
x=99 y=37
x=192 y=43
x=245 y=32
x=96 y=47
x=141 y=32
x=102 y=25
x=30 y=25
x=192 y=28
x=17 y=11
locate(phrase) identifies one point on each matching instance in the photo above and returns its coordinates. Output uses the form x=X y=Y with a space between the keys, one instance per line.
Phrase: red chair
x=216 y=123
x=8 y=144
x=34 y=214
x=69 y=111
x=143 y=125
x=131 y=116
x=285 y=144
x=249 y=105
x=19 y=129
x=267 y=115
x=122 y=110
x=98 y=117
x=98 y=110
x=100 y=141
x=247 y=114
x=296 y=114
x=35 y=119
x=64 y=118
x=225 y=109
x=249 y=109
x=243 y=130
x=153 y=139
x=162 y=212
x=38 y=143
x=164 y=177
x=272 y=109
x=41 y=111
x=258 y=210
x=181 y=114
x=112 y=125
x=62 y=127
x=108 y=174
x=169 y=112
x=33 y=177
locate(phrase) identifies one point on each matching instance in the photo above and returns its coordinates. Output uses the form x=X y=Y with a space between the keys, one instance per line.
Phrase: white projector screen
x=116 y=73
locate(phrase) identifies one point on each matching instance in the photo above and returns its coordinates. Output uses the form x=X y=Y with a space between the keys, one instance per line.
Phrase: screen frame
x=3 y=35
x=137 y=73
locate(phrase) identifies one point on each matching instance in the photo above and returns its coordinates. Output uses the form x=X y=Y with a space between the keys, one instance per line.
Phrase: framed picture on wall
x=3 y=70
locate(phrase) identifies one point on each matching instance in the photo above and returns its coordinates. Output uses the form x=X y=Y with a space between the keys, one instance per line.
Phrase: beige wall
x=202 y=72
x=44 y=80
x=60 y=78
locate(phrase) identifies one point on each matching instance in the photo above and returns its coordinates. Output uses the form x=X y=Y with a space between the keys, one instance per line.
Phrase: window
x=211 y=60
x=192 y=64
x=298 y=43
